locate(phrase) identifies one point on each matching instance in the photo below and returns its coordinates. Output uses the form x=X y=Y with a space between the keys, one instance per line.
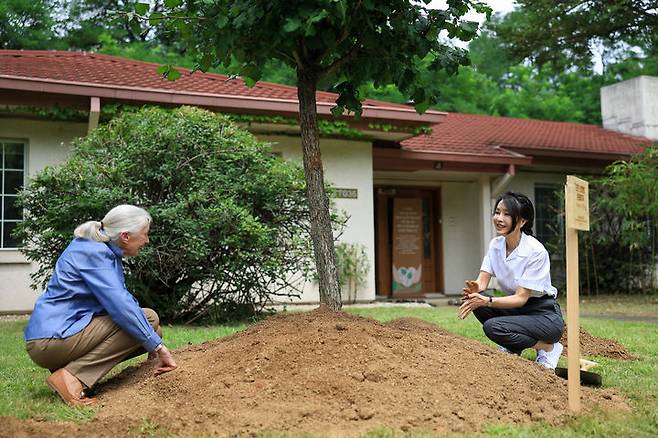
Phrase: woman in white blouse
x=529 y=316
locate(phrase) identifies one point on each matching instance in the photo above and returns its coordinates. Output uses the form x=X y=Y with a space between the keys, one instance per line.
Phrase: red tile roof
x=458 y=134
x=505 y=136
x=93 y=68
x=96 y=70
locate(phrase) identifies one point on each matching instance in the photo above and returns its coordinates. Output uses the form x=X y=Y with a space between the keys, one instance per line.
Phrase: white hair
x=128 y=218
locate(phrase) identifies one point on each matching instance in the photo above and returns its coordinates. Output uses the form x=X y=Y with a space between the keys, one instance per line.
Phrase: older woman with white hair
x=86 y=321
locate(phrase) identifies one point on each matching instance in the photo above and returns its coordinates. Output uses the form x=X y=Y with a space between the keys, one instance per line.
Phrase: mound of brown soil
x=592 y=346
x=335 y=374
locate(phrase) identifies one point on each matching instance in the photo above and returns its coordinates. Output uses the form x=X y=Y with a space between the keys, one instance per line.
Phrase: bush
x=353 y=266
x=229 y=217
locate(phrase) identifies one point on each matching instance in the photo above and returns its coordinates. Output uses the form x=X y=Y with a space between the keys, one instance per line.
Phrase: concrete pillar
x=631 y=107
x=486 y=231
x=94 y=113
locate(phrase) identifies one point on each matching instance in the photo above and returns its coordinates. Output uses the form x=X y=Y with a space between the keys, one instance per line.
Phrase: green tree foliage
x=89 y=20
x=489 y=54
x=230 y=219
x=618 y=255
x=353 y=267
x=26 y=24
x=565 y=32
x=333 y=42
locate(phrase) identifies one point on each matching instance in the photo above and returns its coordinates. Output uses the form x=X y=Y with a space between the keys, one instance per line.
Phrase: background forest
x=517 y=70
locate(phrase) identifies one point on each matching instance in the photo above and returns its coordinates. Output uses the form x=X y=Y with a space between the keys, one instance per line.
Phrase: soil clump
x=591 y=346
x=333 y=374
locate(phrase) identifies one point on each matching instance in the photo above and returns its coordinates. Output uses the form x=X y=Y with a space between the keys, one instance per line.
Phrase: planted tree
x=230 y=221
x=341 y=42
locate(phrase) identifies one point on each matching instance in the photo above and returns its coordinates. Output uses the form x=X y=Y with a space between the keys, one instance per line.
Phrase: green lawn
x=614 y=305
x=25 y=394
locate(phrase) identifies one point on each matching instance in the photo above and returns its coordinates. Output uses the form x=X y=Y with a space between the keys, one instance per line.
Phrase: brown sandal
x=58 y=382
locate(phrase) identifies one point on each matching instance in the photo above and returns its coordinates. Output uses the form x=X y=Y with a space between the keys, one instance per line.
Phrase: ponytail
x=122 y=218
x=526 y=212
x=527 y=228
x=91 y=230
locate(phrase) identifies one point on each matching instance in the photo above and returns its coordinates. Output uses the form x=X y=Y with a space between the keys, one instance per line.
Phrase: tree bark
x=318 y=202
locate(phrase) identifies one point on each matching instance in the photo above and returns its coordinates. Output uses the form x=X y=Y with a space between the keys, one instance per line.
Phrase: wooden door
x=389 y=203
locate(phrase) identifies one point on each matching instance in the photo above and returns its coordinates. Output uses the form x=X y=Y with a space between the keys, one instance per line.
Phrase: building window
x=548 y=225
x=13 y=178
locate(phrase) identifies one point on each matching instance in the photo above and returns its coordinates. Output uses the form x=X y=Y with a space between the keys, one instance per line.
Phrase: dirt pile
x=335 y=374
x=591 y=346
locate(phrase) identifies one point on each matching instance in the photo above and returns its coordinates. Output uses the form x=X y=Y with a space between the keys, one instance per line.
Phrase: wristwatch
x=158 y=348
x=490 y=301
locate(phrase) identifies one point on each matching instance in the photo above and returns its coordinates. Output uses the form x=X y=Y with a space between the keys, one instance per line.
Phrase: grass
x=614 y=305
x=25 y=395
x=24 y=391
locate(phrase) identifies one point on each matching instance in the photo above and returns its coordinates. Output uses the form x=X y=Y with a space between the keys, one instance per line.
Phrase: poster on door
x=407 y=245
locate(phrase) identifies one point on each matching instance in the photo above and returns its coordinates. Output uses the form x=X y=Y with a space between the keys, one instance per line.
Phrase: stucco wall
x=461 y=213
x=525 y=182
x=348 y=165
x=461 y=234
x=47 y=144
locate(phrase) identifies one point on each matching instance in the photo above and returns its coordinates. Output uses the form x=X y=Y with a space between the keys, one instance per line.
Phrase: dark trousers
x=540 y=319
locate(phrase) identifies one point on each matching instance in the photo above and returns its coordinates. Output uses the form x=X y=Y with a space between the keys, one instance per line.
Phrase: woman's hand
x=471 y=302
x=472 y=287
x=166 y=361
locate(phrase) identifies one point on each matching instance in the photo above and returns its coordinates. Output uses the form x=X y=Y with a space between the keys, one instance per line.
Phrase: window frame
x=559 y=222
x=3 y=221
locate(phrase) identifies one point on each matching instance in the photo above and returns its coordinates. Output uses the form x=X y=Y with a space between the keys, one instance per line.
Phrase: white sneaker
x=549 y=359
x=503 y=349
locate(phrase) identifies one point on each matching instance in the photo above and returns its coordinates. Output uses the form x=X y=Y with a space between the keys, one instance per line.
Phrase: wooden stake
x=573 y=320
x=576 y=203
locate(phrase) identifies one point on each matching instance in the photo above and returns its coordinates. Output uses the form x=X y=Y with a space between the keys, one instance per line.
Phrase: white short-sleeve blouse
x=527 y=266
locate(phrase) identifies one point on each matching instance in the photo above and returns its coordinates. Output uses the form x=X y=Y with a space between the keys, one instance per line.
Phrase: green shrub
x=353 y=266
x=618 y=254
x=229 y=218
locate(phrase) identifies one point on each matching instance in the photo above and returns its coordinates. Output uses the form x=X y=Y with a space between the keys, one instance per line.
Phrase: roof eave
x=403 y=154
x=561 y=153
x=231 y=103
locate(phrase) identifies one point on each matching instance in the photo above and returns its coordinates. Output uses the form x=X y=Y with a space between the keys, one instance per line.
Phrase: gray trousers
x=540 y=319
x=92 y=352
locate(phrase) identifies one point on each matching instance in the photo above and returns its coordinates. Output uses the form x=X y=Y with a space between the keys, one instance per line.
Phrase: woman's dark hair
x=519 y=207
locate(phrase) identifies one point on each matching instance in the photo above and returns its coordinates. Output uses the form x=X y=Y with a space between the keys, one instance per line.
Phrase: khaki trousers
x=92 y=352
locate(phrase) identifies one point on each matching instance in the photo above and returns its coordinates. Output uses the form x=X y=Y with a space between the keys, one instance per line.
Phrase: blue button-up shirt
x=88 y=281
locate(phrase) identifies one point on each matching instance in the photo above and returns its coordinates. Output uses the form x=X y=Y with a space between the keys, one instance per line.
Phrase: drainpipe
x=94 y=113
x=501 y=183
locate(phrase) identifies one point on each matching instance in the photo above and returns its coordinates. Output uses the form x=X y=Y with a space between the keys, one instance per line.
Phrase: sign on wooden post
x=576 y=200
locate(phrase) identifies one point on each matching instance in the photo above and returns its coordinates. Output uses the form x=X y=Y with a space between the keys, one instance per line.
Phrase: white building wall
x=47 y=144
x=525 y=182
x=347 y=165
x=461 y=243
x=462 y=259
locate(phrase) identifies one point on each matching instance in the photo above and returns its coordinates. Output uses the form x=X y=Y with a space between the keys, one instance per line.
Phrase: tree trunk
x=318 y=202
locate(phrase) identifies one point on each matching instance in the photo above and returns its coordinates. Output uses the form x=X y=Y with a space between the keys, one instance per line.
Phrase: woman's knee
x=493 y=328
x=556 y=333
x=152 y=317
